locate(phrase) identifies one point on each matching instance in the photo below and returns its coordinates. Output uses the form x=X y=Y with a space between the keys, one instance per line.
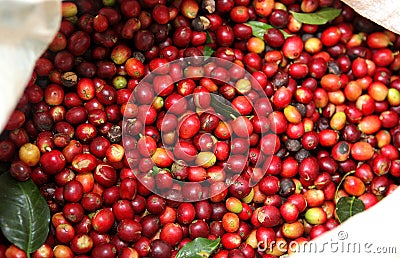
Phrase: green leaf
x=318 y=18
x=208 y=38
x=223 y=106
x=347 y=207
x=199 y=248
x=24 y=214
x=208 y=52
x=259 y=28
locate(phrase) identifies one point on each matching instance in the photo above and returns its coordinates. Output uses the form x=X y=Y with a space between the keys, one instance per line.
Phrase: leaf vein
x=29 y=205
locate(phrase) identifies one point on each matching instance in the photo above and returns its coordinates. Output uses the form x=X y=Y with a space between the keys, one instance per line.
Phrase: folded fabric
x=26 y=29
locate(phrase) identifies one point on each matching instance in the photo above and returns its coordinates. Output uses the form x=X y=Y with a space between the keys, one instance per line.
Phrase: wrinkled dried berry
x=201 y=23
x=333 y=67
x=282 y=152
x=280 y=79
x=287 y=187
x=293 y=145
x=115 y=134
x=139 y=56
x=301 y=108
x=302 y=154
x=323 y=123
x=69 y=79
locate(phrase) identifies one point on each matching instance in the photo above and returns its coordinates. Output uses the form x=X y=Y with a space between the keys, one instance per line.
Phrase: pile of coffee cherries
x=150 y=123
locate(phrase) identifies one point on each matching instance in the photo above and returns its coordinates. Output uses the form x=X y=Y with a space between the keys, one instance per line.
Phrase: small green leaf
x=199 y=248
x=208 y=38
x=318 y=18
x=223 y=106
x=208 y=52
x=259 y=28
x=347 y=207
x=24 y=214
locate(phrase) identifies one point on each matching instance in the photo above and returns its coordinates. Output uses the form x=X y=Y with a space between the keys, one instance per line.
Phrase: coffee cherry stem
x=342 y=180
